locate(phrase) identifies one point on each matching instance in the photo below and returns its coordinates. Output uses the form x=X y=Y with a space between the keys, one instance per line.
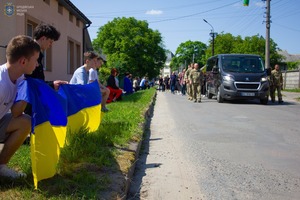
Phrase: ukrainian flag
x=49 y=122
x=84 y=106
x=75 y=106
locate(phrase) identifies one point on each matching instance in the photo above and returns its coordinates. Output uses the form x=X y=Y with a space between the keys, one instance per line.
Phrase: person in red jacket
x=115 y=91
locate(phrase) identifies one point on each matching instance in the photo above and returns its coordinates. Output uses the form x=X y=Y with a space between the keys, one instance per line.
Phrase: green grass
x=89 y=161
x=292 y=90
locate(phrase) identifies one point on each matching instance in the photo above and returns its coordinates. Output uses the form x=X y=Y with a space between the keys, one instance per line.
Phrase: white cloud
x=154 y=12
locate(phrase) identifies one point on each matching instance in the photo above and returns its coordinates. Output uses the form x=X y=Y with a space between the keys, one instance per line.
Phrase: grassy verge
x=292 y=90
x=92 y=164
x=296 y=90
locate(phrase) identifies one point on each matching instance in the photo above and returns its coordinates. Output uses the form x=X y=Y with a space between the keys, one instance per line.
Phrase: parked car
x=236 y=76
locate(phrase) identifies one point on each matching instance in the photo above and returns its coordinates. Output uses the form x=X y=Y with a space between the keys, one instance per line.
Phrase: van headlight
x=228 y=78
x=264 y=79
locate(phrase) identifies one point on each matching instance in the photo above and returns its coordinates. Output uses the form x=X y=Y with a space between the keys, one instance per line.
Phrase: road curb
x=136 y=147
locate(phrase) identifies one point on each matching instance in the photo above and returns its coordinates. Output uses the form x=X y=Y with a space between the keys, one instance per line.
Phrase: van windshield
x=242 y=64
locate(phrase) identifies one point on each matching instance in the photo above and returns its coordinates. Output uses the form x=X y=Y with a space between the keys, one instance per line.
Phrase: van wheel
x=219 y=98
x=264 y=101
x=208 y=94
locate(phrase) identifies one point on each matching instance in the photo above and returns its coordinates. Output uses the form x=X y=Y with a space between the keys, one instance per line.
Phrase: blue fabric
x=80 y=96
x=47 y=105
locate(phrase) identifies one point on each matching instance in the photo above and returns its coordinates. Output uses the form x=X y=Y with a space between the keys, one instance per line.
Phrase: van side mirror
x=268 y=71
x=215 y=70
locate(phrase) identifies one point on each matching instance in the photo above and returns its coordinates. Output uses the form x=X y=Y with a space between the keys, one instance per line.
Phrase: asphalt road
x=208 y=150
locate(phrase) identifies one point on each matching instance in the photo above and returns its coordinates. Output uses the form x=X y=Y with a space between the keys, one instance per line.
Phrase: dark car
x=236 y=76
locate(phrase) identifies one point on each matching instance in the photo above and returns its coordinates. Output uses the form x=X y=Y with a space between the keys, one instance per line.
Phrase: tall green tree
x=130 y=45
x=224 y=43
x=188 y=52
x=227 y=43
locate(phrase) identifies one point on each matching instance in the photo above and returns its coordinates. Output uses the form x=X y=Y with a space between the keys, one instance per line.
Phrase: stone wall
x=291 y=79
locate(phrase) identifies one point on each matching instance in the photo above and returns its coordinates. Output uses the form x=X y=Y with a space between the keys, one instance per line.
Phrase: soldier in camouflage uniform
x=196 y=77
x=188 y=83
x=277 y=84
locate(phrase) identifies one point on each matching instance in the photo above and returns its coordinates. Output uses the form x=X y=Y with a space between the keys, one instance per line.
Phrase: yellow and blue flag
x=49 y=122
x=83 y=107
x=73 y=106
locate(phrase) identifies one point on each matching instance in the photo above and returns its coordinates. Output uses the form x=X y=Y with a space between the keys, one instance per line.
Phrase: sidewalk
x=291 y=96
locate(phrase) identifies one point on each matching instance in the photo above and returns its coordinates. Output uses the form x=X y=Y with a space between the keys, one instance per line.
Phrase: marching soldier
x=277 y=83
x=196 y=77
x=188 y=83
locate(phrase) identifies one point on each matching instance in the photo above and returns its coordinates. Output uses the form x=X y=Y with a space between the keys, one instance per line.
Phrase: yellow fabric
x=45 y=147
x=88 y=118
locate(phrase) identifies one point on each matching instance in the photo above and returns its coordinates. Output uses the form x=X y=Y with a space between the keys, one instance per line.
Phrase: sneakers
x=104 y=109
x=10 y=173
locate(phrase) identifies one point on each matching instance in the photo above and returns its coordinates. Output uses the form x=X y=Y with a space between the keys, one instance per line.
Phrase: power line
x=293 y=29
x=186 y=16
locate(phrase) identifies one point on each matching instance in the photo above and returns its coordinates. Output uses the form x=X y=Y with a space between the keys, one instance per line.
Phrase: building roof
x=170 y=55
x=74 y=10
x=289 y=57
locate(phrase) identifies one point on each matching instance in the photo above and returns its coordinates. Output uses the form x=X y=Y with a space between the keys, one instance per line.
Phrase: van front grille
x=247 y=86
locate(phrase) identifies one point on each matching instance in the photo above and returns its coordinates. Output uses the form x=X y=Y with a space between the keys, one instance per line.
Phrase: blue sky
x=180 y=21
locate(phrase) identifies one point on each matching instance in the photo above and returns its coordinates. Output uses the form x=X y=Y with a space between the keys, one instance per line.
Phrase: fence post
x=284 y=83
x=299 y=77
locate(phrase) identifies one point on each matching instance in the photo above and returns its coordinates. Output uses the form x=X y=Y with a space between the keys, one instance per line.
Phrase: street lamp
x=195 y=50
x=212 y=34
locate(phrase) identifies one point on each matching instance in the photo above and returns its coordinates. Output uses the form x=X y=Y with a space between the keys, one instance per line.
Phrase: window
x=47 y=1
x=30 y=30
x=70 y=17
x=60 y=9
x=77 y=22
x=78 y=51
x=71 y=67
x=211 y=63
x=30 y=26
x=74 y=56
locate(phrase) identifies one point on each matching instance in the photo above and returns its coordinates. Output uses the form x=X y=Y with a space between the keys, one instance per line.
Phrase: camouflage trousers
x=273 y=90
x=196 y=91
x=189 y=91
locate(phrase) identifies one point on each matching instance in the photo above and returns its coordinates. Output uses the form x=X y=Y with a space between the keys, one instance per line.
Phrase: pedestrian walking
x=196 y=77
x=188 y=82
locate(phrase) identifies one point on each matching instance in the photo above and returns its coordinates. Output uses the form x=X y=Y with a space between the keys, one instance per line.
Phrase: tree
x=224 y=43
x=293 y=65
x=227 y=43
x=130 y=45
x=188 y=52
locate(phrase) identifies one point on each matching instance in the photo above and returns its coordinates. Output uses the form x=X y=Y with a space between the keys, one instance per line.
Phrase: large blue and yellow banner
x=72 y=107
x=84 y=106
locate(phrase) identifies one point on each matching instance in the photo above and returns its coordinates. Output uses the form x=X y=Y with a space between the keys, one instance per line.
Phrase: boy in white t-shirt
x=22 y=54
x=93 y=75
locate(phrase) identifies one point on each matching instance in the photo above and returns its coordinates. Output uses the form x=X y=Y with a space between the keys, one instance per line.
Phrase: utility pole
x=213 y=42
x=212 y=34
x=268 y=26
